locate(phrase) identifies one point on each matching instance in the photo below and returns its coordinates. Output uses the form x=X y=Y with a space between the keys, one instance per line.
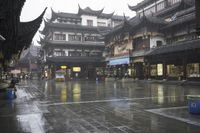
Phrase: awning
x=119 y=61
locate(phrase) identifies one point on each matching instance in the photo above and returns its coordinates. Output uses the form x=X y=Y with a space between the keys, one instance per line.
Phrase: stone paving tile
x=91 y=107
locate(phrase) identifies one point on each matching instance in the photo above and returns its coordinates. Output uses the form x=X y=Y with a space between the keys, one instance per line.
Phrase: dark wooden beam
x=197 y=6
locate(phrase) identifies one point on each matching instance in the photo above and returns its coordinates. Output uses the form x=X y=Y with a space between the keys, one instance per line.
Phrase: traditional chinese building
x=118 y=49
x=74 y=42
x=29 y=63
x=136 y=36
x=160 y=49
x=179 y=58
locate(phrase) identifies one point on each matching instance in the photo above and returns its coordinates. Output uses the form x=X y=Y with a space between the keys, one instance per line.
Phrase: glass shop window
x=153 y=70
x=193 y=70
x=174 y=71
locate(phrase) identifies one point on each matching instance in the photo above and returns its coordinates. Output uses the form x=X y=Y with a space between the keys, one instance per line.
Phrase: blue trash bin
x=194 y=104
x=10 y=93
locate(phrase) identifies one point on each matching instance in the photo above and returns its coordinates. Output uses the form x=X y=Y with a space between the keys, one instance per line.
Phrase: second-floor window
x=171 y=2
x=90 y=22
x=90 y=38
x=150 y=10
x=101 y=24
x=59 y=53
x=75 y=53
x=158 y=43
x=160 y=6
x=74 y=37
x=59 y=36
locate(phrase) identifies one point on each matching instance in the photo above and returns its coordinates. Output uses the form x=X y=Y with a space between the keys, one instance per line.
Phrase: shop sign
x=119 y=61
x=139 y=59
x=16 y=71
x=63 y=67
x=76 y=69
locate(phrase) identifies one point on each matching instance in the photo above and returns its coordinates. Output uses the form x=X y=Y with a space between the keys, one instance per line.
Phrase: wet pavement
x=98 y=107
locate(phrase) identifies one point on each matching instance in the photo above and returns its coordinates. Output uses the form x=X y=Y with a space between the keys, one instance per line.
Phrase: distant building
x=74 y=42
x=162 y=41
x=29 y=63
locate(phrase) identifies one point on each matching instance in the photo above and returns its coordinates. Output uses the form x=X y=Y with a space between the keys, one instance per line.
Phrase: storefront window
x=160 y=69
x=100 y=71
x=174 y=71
x=193 y=70
x=153 y=70
x=131 y=72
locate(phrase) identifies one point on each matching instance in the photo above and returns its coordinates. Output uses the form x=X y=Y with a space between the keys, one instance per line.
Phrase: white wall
x=154 y=39
x=87 y=17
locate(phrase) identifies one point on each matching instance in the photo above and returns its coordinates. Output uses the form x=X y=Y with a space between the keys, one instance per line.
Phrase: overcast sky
x=33 y=8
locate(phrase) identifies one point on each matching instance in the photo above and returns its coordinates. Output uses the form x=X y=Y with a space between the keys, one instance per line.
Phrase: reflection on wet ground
x=102 y=107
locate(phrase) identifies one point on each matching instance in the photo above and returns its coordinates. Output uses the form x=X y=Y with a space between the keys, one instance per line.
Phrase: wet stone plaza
x=98 y=107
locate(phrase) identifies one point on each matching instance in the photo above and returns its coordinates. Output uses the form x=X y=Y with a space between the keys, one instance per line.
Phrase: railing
x=75 y=58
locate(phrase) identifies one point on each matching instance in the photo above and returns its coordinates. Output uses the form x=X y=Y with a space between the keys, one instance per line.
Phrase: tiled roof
x=172 y=8
x=27 y=30
x=64 y=15
x=89 y=11
x=134 y=22
x=104 y=15
x=141 y=5
x=177 y=47
x=180 y=20
x=118 y=17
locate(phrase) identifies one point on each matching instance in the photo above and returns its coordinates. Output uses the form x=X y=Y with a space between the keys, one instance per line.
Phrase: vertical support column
x=184 y=69
x=166 y=3
x=139 y=70
x=83 y=37
x=164 y=70
x=148 y=71
x=155 y=6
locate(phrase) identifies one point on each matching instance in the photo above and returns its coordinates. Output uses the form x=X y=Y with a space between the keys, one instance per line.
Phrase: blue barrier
x=194 y=104
x=10 y=93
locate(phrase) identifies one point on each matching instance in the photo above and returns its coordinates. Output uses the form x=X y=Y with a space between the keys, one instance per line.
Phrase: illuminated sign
x=160 y=69
x=76 y=69
x=63 y=67
x=119 y=61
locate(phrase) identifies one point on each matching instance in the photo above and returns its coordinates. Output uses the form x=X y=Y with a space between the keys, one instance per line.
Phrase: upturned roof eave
x=139 y=5
x=89 y=11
